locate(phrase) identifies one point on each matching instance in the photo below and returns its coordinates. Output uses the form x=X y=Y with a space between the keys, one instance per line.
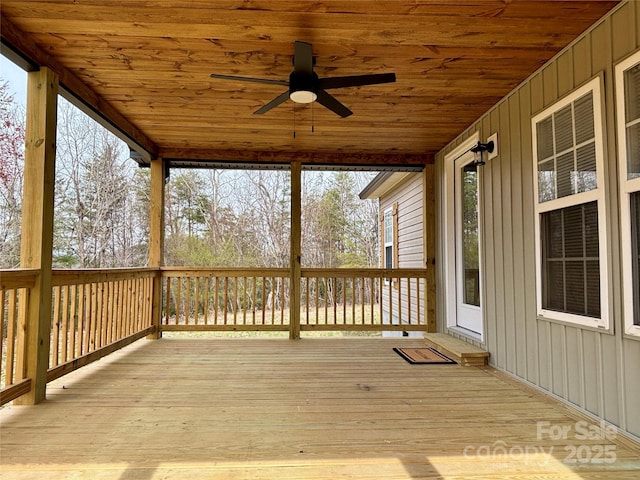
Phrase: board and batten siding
x=409 y=196
x=598 y=372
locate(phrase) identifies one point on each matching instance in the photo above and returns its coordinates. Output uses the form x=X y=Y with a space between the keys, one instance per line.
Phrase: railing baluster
x=381 y=300
x=98 y=310
x=418 y=300
x=244 y=298
x=234 y=305
x=344 y=301
x=167 y=300
x=197 y=301
x=128 y=306
x=353 y=301
x=326 y=300
x=362 y=300
x=64 y=324
x=108 y=313
x=215 y=303
x=399 y=301
x=187 y=300
x=131 y=318
x=120 y=308
x=226 y=298
x=11 y=337
x=307 y=302
x=273 y=301
x=178 y=299
x=282 y=301
x=207 y=291
x=84 y=312
x=409 y=301
x=254 y=298
x=55 y=331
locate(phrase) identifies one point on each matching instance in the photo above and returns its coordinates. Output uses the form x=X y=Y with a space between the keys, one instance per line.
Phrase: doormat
x=422 y=355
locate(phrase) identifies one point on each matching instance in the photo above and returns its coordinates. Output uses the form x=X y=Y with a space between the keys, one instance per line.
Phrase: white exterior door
x=467 y=244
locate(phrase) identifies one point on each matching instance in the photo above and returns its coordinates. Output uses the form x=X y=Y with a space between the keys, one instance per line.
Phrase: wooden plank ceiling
x=146 y=66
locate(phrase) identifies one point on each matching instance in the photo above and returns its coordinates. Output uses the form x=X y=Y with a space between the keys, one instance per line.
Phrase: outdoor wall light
x=478 y=151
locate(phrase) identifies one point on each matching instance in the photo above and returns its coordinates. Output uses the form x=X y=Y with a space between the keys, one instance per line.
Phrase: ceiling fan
x=306 y=87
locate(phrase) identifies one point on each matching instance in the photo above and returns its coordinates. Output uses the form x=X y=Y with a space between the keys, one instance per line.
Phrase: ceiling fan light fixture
x=303 y=87
x=303 y=96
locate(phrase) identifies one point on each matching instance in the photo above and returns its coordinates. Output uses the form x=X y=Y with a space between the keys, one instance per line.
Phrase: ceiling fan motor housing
x=303 y=87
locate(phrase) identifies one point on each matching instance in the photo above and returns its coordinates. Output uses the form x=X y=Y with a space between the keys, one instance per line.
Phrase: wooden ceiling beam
x=77 y=92
x=309 y=158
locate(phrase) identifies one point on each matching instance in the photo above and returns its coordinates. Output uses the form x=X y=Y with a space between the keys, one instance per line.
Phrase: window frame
x=387 y=224
x=597 y=194
x=627 y=187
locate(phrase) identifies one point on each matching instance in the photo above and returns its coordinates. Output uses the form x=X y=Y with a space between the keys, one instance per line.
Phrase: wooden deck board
x=275 y=408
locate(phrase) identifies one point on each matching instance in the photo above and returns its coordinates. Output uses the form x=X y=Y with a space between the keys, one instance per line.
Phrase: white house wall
x=409 y=195
x=596 y=371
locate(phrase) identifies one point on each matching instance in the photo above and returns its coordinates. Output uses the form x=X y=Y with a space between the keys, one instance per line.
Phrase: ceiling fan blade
x=333 y=104
x=302 y=57
x=283 y=97
x=356 y=80
x=283 y=83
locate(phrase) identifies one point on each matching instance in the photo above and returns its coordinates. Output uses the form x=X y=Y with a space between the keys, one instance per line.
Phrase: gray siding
x=596 y=371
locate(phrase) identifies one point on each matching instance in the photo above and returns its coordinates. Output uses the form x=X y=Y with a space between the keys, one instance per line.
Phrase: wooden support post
x=37 y=229
x=156 y=241
x=430 y=247
x=296 y=233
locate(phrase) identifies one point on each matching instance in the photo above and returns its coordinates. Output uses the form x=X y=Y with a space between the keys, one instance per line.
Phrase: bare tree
x=12 y=138
x=97 y=224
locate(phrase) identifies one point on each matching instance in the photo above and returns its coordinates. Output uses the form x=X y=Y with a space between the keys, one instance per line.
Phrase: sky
x=16 y=77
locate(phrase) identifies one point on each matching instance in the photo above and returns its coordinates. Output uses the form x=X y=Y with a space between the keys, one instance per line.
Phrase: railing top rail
x=223 y=272
x=92 y=275
x=365 y=272
x=306 y=272
x=18 y=278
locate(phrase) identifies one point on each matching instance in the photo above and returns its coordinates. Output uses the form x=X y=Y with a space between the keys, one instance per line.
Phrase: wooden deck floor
x=280 y=409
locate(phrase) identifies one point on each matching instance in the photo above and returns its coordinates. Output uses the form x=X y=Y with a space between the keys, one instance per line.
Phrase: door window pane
x=470 y=259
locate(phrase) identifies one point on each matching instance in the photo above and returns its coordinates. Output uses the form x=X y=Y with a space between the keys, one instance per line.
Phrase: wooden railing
x=96 y=312
x=15 y=286
x=258 y=299
x=226 y=299
x=363 y=299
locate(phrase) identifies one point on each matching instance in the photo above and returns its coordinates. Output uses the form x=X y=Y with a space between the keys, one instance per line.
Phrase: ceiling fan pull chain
x=313 y=123
x=294 y=120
